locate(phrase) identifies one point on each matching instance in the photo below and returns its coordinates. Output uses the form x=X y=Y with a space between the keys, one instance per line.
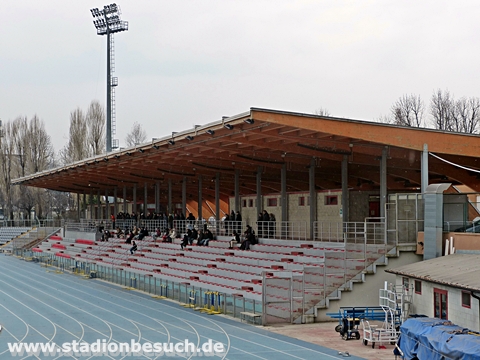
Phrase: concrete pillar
x=134 y=205
x=236 y=203
x=283 y=190
x=345 y=194
x=184 y=196
x=217 y=197
x=200 y=197
x=170 y=208
x=115 y=201
x=259 y=190
x=424 y=170
x=313 y=195
x=383 y=182
x=125 y=199
x=157 y=197
x=145 y=199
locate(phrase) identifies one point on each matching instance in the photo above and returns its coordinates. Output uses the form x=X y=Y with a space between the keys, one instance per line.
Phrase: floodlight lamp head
x=228 y=126
x=189 y=137
x=249 y=121
x=171 y=142
x=210 y=132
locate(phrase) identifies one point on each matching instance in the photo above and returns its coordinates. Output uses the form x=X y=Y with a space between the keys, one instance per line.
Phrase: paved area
x=324 y=334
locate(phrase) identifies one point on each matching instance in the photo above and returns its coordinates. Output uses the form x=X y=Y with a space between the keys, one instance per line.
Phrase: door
x=440 y=304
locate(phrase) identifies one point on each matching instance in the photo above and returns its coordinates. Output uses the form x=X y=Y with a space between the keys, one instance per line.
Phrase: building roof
x=456 y=270
x=267 y=140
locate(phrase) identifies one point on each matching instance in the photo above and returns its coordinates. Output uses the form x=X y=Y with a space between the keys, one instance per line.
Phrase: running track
x=39 y=305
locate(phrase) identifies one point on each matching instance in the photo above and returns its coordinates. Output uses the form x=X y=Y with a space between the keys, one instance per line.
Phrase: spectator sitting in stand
x=171 y=235
x=235 y=240
x=106 y=235
x=129 y=238
x=193 y=236
x=207 y=236
x=142 y=233
x=120 y=233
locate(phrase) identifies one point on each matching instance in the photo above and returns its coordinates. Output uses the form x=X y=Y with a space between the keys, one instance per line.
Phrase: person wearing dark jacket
x=134 y=247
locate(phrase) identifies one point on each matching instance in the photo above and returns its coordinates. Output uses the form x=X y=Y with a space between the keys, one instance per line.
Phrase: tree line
x=444 y=112
x=26 y=148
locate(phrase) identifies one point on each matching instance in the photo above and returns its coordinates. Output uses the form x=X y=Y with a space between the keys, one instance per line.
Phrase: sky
x=183 y=62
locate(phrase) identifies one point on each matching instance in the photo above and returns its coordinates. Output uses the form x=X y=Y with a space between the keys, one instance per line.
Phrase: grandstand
x=277 y=280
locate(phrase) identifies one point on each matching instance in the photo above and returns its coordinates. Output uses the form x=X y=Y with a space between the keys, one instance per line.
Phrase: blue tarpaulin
x=437 y=339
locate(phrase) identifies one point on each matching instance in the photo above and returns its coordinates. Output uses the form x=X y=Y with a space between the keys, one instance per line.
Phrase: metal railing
x=203 y=299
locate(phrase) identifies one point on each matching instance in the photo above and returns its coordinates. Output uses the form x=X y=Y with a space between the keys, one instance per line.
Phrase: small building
x=446 y=287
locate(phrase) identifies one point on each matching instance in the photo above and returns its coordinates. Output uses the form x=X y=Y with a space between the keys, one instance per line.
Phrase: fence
x=205 y=300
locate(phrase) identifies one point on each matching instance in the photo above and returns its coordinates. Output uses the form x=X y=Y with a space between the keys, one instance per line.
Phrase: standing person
x=238 y=221
x=260 y=224
x=266 y=222
x=112 y=217
x=133 y=248
x=272 y=225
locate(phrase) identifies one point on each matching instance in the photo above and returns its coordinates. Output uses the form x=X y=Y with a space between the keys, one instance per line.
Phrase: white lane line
x=236 y=328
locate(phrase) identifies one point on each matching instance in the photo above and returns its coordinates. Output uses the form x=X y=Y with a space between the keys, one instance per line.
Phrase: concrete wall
x=359 y=204
x=367 y=293
x=296 y=212
x=459 y=315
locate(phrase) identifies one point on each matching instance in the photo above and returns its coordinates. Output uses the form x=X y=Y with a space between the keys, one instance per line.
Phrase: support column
x=170 y=210
x=217 y=197
x=107 y=206
x=313 y=196
x=99 y=206
x=200 y=199
x=115 y=201
x=125 y=199
x=383 y=182
x=345 y=194
x=157 y=197
x=145 y=199
x=259 y=190
x=134 y=205
x=236 y=203
x=184 y=196
x=85 y=205
x=92 y=214
x=283 y=191
x=424 y=170
x=78 y=206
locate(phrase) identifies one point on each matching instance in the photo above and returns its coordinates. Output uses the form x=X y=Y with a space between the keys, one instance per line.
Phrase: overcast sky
x=191 y=62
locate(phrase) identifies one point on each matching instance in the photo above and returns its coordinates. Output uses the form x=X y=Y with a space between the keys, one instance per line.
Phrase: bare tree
x=76 y=149
x=96 y=128
x=385 y=119
x=322 y=112
x=136 y=136
x=408 y=111
x=7 y=150
x=442 y=107
x=466 y=115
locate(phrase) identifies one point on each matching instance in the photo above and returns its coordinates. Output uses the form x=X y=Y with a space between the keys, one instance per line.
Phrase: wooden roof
x=269 y=139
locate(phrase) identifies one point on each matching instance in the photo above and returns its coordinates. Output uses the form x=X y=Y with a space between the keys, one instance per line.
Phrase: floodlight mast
x=107 y=22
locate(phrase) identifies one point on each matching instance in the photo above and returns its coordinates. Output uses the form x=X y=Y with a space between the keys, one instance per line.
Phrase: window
x=244 y=203
x=301 y=201
x=250 y=203
x=406 y=283
x=440 y=304
x=331 y=200
x=466 y=299
x=272 y=202
x=418 y=287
